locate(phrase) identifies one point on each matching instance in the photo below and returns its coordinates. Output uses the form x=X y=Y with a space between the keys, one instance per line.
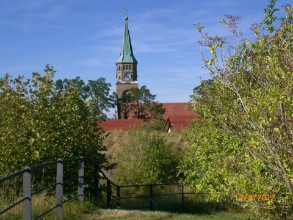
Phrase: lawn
x=74 y=210
x=104 y=214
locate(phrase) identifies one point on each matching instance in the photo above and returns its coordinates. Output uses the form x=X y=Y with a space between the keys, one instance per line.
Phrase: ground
x=147 y=215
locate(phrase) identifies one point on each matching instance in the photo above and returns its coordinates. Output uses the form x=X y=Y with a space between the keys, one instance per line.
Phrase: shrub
x=39 y=124
x=145 y=157
x=244 y=144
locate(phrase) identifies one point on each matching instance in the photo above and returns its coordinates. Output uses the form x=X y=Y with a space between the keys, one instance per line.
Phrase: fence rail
x=116 y=196
x=27 y=174
x=152 y=194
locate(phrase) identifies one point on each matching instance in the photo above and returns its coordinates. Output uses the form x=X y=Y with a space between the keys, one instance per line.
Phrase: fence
x=148 y=193
x=136 y=196
x=163 y=196
x=27 y=193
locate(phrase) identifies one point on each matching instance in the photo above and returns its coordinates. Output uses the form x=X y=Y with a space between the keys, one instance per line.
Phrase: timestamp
x=255 y=197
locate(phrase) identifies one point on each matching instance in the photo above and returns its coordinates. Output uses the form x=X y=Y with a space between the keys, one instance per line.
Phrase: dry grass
x=75 y=210
x=147 y=215
x=117 y=140
x=125 y=149
x=72 y=210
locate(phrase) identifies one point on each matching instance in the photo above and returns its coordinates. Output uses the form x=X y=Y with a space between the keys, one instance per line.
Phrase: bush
x=39 y=124
x=144 y=157
x=244 y=144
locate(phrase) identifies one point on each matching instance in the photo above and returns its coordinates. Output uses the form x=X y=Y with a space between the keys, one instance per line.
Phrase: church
x=177 y=115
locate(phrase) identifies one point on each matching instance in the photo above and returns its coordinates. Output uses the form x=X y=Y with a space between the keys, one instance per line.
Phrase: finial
x=125 y=12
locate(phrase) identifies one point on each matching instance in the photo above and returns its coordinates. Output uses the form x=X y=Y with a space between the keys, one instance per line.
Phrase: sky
x=83 y=38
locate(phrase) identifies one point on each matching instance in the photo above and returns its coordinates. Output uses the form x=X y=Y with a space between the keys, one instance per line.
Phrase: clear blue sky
x=83 y=38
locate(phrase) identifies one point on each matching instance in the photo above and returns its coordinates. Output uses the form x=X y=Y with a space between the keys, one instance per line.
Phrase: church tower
x=126 y=65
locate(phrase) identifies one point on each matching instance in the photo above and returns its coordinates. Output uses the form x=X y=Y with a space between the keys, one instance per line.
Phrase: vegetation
x=244 y=144
x=41 y=121
x=72 y=210
x=140 y=103
x=95 y=94
x=75 y=210
x=147 y=215
x=143 y=156
x=241 y=146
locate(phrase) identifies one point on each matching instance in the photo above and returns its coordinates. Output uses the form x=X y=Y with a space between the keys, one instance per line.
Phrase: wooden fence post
x=80 y=190
x=27 y=194
x=59 y=188
x=118 y=197
x=151 y=197
x=108 y=193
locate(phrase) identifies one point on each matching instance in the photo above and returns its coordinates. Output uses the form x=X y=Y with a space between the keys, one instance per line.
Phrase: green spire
x=126 y=53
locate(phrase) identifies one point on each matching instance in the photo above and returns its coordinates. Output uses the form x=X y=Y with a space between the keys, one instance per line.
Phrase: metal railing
x=27 y=174
x=115 y=196
x=172 y=196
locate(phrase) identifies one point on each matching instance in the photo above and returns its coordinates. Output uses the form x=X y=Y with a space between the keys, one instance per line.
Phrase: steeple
x=126 y=67
x=126 y=53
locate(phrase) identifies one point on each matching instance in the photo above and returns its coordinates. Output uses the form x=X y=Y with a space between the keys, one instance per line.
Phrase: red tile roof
x=177 y=108
x=177 y=115
x=179 y=122
x=120 y=124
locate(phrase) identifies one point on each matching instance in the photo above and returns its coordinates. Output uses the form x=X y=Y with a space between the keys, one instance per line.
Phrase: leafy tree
x=124 y=105
x=200 y=90
x=244 y=145
x=39 y=122
x=96 y=94
x=140 y=103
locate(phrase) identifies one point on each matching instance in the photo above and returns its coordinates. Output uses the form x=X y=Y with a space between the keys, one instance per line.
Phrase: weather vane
x=125 y=11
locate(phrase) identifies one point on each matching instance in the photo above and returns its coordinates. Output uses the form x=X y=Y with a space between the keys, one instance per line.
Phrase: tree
x=140 y=103
x=39 y=122
x=96 y=94
x=244 y=144
x=200 y=90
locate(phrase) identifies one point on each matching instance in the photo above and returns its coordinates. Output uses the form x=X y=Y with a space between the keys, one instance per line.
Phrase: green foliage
x=95 y=94
x=244 y=144
x=140 y=103
x=147 y=158
x=200 y=90
x=39 y=123
x=270 y=18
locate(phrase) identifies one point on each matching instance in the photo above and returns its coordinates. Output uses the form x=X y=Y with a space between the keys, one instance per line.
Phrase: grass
x=74 y=210
x=86 y=211
x=147 y=215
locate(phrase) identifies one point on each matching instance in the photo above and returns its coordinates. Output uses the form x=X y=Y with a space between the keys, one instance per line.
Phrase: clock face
x=127 y=76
